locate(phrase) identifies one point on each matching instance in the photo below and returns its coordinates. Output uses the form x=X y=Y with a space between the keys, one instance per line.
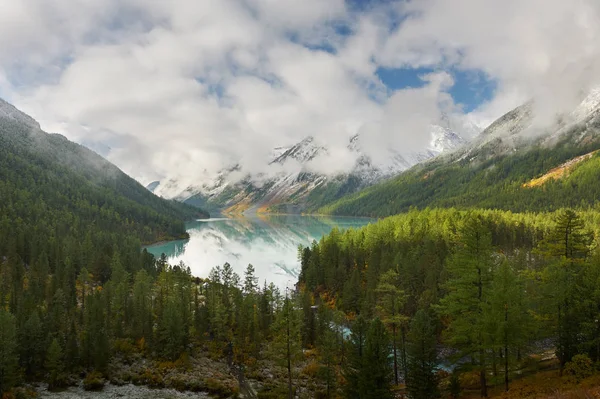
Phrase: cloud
x=542 y=49
x=185 y=88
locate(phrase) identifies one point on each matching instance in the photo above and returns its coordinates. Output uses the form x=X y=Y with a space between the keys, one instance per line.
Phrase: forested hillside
x=63 y=187
x=490 y=177
x=477 y=292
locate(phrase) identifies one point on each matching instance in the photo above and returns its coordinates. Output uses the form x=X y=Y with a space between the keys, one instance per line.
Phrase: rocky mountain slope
x=495 y=168
x=293 y=186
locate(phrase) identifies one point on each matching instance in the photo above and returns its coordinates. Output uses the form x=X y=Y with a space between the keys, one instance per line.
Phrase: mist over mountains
x=294 y=174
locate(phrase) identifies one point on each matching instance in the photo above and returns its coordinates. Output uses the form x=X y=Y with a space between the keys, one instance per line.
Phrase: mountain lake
x=268 y=242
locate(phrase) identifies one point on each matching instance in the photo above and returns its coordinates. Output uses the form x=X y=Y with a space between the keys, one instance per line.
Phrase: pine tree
x=287 y=339
x=377 y=374
x=508 y=321
x=170 y=339
x=9 y=358
x=142 y=306
x=421 y=381
x=566 y=248
x=355 y=363
x=327 y=355
x=95 y=333
x=470 y=272
x=118 y=286
x=83 y=283
x=390 y=301
x=33 y=339
x=55 y=364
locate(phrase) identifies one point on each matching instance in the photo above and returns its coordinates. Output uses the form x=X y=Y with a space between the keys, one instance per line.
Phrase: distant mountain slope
x=492 y=171
x=302 y=188
x=67 y=179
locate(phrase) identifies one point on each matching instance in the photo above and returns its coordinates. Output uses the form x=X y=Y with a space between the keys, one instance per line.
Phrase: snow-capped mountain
x=521 y=126
x=292 y=185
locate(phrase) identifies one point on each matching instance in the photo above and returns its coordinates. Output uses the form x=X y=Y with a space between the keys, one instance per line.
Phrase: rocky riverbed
x=111 y=391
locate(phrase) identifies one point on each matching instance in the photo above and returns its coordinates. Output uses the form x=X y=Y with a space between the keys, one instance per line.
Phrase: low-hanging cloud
x=185 y=88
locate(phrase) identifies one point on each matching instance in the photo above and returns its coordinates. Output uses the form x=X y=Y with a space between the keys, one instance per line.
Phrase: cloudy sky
x=186 y=87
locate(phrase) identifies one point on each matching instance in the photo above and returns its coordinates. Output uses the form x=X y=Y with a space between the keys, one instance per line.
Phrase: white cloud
x=543 y=49
x=184 y=87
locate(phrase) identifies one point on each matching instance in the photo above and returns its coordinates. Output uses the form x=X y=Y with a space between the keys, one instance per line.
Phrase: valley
x=341 y=199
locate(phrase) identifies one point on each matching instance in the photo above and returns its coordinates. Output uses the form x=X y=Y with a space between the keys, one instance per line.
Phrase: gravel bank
x=110 y=391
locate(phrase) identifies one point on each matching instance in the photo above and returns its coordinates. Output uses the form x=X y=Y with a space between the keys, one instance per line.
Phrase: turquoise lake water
x=269 y=243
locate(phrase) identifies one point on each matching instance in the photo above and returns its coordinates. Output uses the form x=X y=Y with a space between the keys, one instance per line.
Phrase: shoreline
x=162 y=242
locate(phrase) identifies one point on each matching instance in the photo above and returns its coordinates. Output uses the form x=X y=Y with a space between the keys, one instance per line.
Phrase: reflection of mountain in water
x=270 y=243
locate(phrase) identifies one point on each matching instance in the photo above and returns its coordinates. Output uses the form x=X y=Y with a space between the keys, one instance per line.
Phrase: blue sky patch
x=471 y=87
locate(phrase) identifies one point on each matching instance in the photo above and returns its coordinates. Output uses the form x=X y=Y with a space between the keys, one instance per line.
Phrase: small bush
x=22 y=393
x=273 y=392
x=220 y=389
x=579 y=368
x=152 y=378
x=165 y=366
x=311 y=369
x=125 y=347
x=184 y=362
x=93 y=381
x=178 y=383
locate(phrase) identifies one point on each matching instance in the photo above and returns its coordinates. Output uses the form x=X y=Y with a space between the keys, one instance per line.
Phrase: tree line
x=388 y=305
x=458 y=292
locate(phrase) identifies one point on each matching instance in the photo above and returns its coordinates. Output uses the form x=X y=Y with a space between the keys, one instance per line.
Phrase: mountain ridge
x=302 y=188
x=491 y=170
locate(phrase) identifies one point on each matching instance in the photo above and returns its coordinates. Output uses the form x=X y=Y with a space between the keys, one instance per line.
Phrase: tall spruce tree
x=378 y=371
x=471 y=270
x=287 y=339
x=421 y=382
x=55 y=364
x=566 y=248
x=508 y=322
x=9 y=357
x=389 y=305
x=354 y=365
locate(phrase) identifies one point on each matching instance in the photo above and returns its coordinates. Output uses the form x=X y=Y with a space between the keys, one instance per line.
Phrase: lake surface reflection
x=269 y=243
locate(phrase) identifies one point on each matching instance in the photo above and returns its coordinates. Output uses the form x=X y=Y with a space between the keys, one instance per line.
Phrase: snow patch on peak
x=303 y=152
x=587 y=108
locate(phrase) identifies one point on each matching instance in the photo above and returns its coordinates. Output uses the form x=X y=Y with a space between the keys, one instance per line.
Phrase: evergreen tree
x=170 y=335
x=142 y=306
x=55 y=364
x=287 y=339
x=421 y=382
x=83 y=284
x=353 y=368
x=390 y=301
x=566 y=249
x=508 y=321
x=378 y=372
x=32 y=348
x=9 y=357
x=328 y=349
x=470 y=272
x=118 y=286
x=95 y=333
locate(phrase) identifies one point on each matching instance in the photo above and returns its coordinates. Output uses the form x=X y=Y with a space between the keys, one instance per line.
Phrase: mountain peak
x=303 y=152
